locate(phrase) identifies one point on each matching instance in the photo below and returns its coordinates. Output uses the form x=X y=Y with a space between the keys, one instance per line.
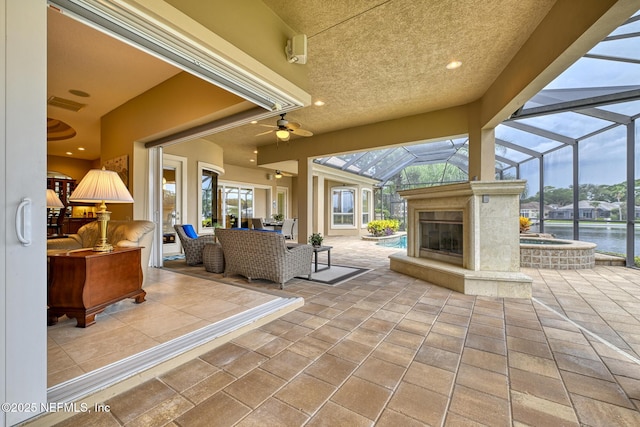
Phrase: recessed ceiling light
x=80 y=148
x=69 y=153
x=453 y=65
x=253 y=122
x=255 y=151
x=318 y=103
x=251 y=160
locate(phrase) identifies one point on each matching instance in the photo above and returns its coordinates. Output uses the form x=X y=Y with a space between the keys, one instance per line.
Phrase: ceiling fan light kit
x=285 y=128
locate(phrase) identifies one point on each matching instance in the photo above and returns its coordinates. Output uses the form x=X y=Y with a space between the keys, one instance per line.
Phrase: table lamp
x=53 y=201
x=101 y=186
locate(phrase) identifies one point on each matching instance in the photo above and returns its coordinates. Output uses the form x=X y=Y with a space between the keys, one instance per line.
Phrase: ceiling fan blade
x=267 y=126
x=264 y=133
x=302 y=132
x=293 y=125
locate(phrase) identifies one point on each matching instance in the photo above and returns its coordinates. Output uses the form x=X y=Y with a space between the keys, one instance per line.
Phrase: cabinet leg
x=140 y=297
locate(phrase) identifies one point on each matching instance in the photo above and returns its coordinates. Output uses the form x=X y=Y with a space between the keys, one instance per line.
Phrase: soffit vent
x=67 y=104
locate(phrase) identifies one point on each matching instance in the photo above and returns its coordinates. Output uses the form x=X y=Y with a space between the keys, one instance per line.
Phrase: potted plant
x=278 y=217
x=316 y=239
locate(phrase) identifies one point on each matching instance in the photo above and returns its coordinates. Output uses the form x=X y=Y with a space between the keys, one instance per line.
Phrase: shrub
x=383 y=227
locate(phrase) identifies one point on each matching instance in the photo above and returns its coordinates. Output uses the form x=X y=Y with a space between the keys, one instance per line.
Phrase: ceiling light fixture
x=318 y=103
x=278 y=174
x=453 y=65
x=282 y=134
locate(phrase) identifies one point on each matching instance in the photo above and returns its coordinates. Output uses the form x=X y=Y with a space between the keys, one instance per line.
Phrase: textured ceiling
x=369 y=61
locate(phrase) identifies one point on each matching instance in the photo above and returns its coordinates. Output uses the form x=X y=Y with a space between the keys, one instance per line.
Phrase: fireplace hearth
x=465 y=237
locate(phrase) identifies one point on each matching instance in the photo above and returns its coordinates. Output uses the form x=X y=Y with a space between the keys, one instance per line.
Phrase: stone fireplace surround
x=491 y=239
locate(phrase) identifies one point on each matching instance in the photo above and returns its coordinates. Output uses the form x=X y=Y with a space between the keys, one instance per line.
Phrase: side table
x=326 y=249
x=213 y=258
x=83 y=283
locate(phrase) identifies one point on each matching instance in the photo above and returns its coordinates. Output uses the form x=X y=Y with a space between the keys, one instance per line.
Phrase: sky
x=603 y=156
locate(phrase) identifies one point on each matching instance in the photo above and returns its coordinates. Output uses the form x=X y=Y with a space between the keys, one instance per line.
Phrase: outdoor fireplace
x=441 y=235
x=465 y=237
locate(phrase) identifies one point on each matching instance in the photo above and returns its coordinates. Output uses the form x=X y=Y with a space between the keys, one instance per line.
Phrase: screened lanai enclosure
x=575 y=143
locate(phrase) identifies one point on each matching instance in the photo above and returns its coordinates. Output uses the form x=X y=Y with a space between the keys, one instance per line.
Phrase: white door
x=23 y=165
x=174 y=210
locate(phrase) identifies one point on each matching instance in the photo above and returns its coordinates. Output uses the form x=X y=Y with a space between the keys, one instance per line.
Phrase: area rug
x=173 y=257
x=335 y=275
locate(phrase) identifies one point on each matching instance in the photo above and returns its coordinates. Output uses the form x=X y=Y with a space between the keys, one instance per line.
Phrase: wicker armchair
x=263 y=255
x=193 y=247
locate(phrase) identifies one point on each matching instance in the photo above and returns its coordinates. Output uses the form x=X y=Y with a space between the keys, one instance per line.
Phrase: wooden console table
x=83 y=283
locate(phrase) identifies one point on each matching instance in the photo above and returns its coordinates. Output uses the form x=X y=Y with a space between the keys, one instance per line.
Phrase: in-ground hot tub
x=557 y=254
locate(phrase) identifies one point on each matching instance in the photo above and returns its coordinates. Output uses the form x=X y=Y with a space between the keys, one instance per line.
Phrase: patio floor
x=387 y=349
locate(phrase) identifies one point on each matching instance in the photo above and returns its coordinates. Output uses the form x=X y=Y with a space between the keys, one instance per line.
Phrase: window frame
x=354 y=214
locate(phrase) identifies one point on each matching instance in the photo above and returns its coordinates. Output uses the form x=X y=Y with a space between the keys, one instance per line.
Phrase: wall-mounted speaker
x=296 y=49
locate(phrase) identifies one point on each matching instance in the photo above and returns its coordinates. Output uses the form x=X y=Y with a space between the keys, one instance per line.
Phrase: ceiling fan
x=284 y=128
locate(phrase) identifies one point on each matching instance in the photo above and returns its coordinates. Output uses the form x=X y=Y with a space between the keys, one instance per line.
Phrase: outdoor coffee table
x=326 y=249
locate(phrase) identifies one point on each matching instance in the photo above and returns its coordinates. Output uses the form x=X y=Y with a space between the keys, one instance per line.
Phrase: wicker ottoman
x=212 y=258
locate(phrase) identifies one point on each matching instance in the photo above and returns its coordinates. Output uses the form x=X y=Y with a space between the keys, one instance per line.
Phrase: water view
x=608 y=237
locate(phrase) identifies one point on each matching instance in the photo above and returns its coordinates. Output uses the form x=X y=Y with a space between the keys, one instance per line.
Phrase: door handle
x=23 y=222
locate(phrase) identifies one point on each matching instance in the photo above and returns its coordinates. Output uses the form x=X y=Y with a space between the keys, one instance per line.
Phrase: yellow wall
x=178 y=101
x=74 y=168
x=252 y=27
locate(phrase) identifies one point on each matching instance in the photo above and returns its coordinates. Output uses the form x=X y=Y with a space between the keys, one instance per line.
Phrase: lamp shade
x=101 y=185
x=53 y=201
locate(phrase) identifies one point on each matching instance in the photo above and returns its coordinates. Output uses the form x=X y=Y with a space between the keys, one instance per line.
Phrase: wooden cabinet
x=83 y=283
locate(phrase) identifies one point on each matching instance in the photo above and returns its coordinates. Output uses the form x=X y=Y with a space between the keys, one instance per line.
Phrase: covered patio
x=389 y=349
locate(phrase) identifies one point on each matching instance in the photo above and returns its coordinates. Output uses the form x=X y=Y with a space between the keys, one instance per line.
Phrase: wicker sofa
x=263 y=255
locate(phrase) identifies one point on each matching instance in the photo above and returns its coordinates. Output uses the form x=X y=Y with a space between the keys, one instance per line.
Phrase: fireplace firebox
x=441 y=236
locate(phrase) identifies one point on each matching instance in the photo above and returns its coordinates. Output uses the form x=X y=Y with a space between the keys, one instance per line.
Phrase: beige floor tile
x=534 y=411
x=306 y=393
x=391 y=418
x=593 y=412
x=133 y=403
x=483 y=380
x=286 y=364
x=255 y=387
x=430 y=377
x=542 y=386
x=419 y=403
x=362 y=397
x=209 y=386
x=606 y=391
x=538 y=365
x=335 y=415
x=380 y=372
x=439 y=358
x=218 y=410
x=165 y=412
x=331 y=369
x=481 y=407
x=396 y=354
x=273 y=413
x=188 y=374
x=351 y=351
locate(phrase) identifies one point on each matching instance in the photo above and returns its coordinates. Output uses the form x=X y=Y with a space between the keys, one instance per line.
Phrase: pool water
x=543 y=242
x=400 y=242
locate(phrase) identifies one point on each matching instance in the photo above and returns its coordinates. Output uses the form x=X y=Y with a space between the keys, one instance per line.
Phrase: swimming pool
x=400 y=242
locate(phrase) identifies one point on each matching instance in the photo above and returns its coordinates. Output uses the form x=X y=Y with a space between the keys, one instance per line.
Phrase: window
x=208 y=197
x=343 y=207
x=366 y=207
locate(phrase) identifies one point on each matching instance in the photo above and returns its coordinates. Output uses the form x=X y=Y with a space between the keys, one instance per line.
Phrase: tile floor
x=175 y=305
x=390 y=350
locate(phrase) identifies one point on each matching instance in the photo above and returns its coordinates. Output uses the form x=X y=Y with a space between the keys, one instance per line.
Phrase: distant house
x=531 y=210
x=587 y=209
